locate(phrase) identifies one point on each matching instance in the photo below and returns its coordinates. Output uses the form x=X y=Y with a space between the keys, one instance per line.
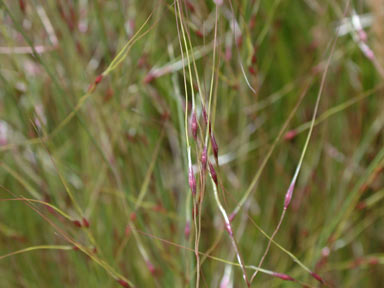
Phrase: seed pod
x=98 y=79
x=213 y=172
x=150 y=267
x=85 y=223
x=149 y=78
x=290 y=135
x=288 y=195
x=215 y=148
x=77 y=223
x=317 y=277
x=22 y=6
x=283 y=276
x=228 y=228
x=194 y=125
x=123 y=283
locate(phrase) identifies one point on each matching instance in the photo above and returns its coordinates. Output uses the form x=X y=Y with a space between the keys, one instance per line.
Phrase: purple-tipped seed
x=194 y=125
x=288 y=195
x=317 y=277
x=215 y=148
x=283 y=276
x=213 y=172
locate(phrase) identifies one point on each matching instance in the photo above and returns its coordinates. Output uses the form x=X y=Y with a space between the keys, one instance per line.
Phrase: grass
x=191 y=143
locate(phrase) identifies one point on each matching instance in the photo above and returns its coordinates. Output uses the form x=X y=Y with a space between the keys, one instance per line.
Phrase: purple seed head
x=283 y=276
x=290 y=135
x=288 y=195
x=194 y=125
x=367 y=51
x=85 y=223
x=213 y=172
x=215 y=148
x=77 y=223
x=317 y=277
x=149 y=78
x=192 y=181
x=204 y=158
x=123 y=283
x=362 y=35
x=232 y=216
x=150 y=267
x=228 y=228
x=98 y=79
x=22 y=6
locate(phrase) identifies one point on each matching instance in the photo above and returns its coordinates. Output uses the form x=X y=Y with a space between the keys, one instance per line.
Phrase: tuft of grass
x=191 y=143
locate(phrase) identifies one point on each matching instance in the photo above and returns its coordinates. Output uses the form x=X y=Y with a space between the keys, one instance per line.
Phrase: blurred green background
x=111 y=156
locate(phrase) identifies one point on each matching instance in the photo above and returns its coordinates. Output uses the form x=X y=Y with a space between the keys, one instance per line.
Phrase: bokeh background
x=97 y=108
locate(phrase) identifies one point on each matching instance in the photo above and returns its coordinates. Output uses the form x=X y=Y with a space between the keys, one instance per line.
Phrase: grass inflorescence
x=191 y=143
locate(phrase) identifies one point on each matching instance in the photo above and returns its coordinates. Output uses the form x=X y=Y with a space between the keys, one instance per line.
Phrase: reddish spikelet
x=213 y=172
x=190 y=6
x=239 y=41
x=149 y=78
x=283 y=276
x=49 y=208
x=254 y=58
x=204 y=158
x=252 y=70
x=151 y=268
x=252 y=22
x=215 y=148
x=229 y=228
x=75 y=248
x=194 y=125
x=77 y=223
x=205 y=117
x=98 y=79
x=288 y=195
x=232 y=216
x=192 y=181
x=22 y=6
x=187 y=230
x=367 y=51
x=133 y=216
x=290 y=135
x=317 y=277
x=373 y=261
x=123 y=283
x=73 y=17
x=85 y=223
x=362 y=35
x=199 y=34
